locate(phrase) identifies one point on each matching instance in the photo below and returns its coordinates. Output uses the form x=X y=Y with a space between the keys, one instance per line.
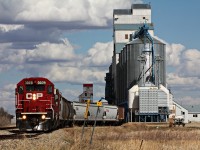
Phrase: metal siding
x=129 y=11
x=111 y=112
x=131 y=26
x=148 y=101
x=132 y=19
x=161 y=51
x=122 y=11
x=140 y=13
x=120 y=36
x=93 y=111
x=80 y=110
x=141 y=6
x=162 y=99
x=135 y=49
x=134 y=65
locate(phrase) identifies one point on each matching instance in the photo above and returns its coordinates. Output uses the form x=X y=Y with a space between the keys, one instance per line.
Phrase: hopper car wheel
x=71 y=124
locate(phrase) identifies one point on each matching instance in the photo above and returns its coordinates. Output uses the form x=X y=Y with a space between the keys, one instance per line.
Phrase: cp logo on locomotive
x=33 y=95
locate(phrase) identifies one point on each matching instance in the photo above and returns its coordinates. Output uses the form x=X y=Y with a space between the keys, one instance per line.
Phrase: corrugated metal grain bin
x=135 y=50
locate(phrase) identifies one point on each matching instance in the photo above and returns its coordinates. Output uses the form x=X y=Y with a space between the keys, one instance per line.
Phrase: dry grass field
x=131 y=136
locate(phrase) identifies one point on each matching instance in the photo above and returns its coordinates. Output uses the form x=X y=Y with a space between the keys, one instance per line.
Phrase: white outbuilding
x=193 y=113
x=180 y=111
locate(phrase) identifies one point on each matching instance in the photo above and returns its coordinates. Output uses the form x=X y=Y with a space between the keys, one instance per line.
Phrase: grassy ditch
x=134 y=136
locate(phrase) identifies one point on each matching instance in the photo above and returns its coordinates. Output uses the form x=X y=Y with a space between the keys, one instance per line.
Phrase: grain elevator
x=137 y=75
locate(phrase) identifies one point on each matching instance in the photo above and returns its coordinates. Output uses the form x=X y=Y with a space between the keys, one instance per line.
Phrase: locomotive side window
x=20 y=89
x=50 y=89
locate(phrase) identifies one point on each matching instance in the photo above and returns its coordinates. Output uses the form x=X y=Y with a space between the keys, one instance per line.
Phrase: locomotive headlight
x=24 y=117
x=43 y=116
x=34 y=97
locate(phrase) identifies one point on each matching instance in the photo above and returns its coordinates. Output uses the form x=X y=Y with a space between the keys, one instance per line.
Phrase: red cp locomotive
x=41 y=107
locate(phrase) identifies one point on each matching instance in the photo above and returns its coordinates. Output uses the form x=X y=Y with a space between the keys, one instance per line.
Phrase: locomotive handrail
x=24 y=100
x=34 y=112
x=51 y=107
x=43 y=100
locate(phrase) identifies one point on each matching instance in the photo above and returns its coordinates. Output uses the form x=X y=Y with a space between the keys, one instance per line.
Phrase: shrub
x=4 y=117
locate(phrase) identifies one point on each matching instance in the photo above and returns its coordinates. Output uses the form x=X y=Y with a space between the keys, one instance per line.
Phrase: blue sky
x=176 y=21
x=70 y=42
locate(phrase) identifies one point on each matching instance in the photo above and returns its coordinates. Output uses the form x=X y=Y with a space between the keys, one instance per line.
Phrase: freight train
x=41 y=107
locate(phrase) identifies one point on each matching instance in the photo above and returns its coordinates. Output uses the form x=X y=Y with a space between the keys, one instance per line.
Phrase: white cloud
x=99 y=91
x=99 y=54
x=183 y=77
x=73 y=93
x=43 y=23
x=13 y=56
x=188 y=100
x=10 y=57
x=4 y=67
x=190 y=63
x=173 y=53
x=176 y=80
x=52 y=51
x=47 y=10
x=88 y=12
x=8 y=27
x=9 y=87
x=87 y=69
x=75 y=74
x=43 y=52
x=59 y=62
x=7 y=96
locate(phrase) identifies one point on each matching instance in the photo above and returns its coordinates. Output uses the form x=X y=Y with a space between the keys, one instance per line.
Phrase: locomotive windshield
x=35 y=87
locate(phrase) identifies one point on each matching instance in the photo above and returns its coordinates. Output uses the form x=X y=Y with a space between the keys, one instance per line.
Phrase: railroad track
x=7 y=128
x=12 y=132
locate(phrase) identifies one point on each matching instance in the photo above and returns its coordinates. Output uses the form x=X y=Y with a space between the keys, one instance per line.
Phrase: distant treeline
x=5 y=117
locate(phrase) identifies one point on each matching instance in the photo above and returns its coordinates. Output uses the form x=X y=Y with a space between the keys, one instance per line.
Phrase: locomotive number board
x=38 y=82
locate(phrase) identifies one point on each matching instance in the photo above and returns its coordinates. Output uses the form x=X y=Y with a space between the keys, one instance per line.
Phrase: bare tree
x=5 y=118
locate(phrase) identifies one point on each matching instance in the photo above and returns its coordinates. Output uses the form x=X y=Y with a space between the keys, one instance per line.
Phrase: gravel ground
x=12 y=139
